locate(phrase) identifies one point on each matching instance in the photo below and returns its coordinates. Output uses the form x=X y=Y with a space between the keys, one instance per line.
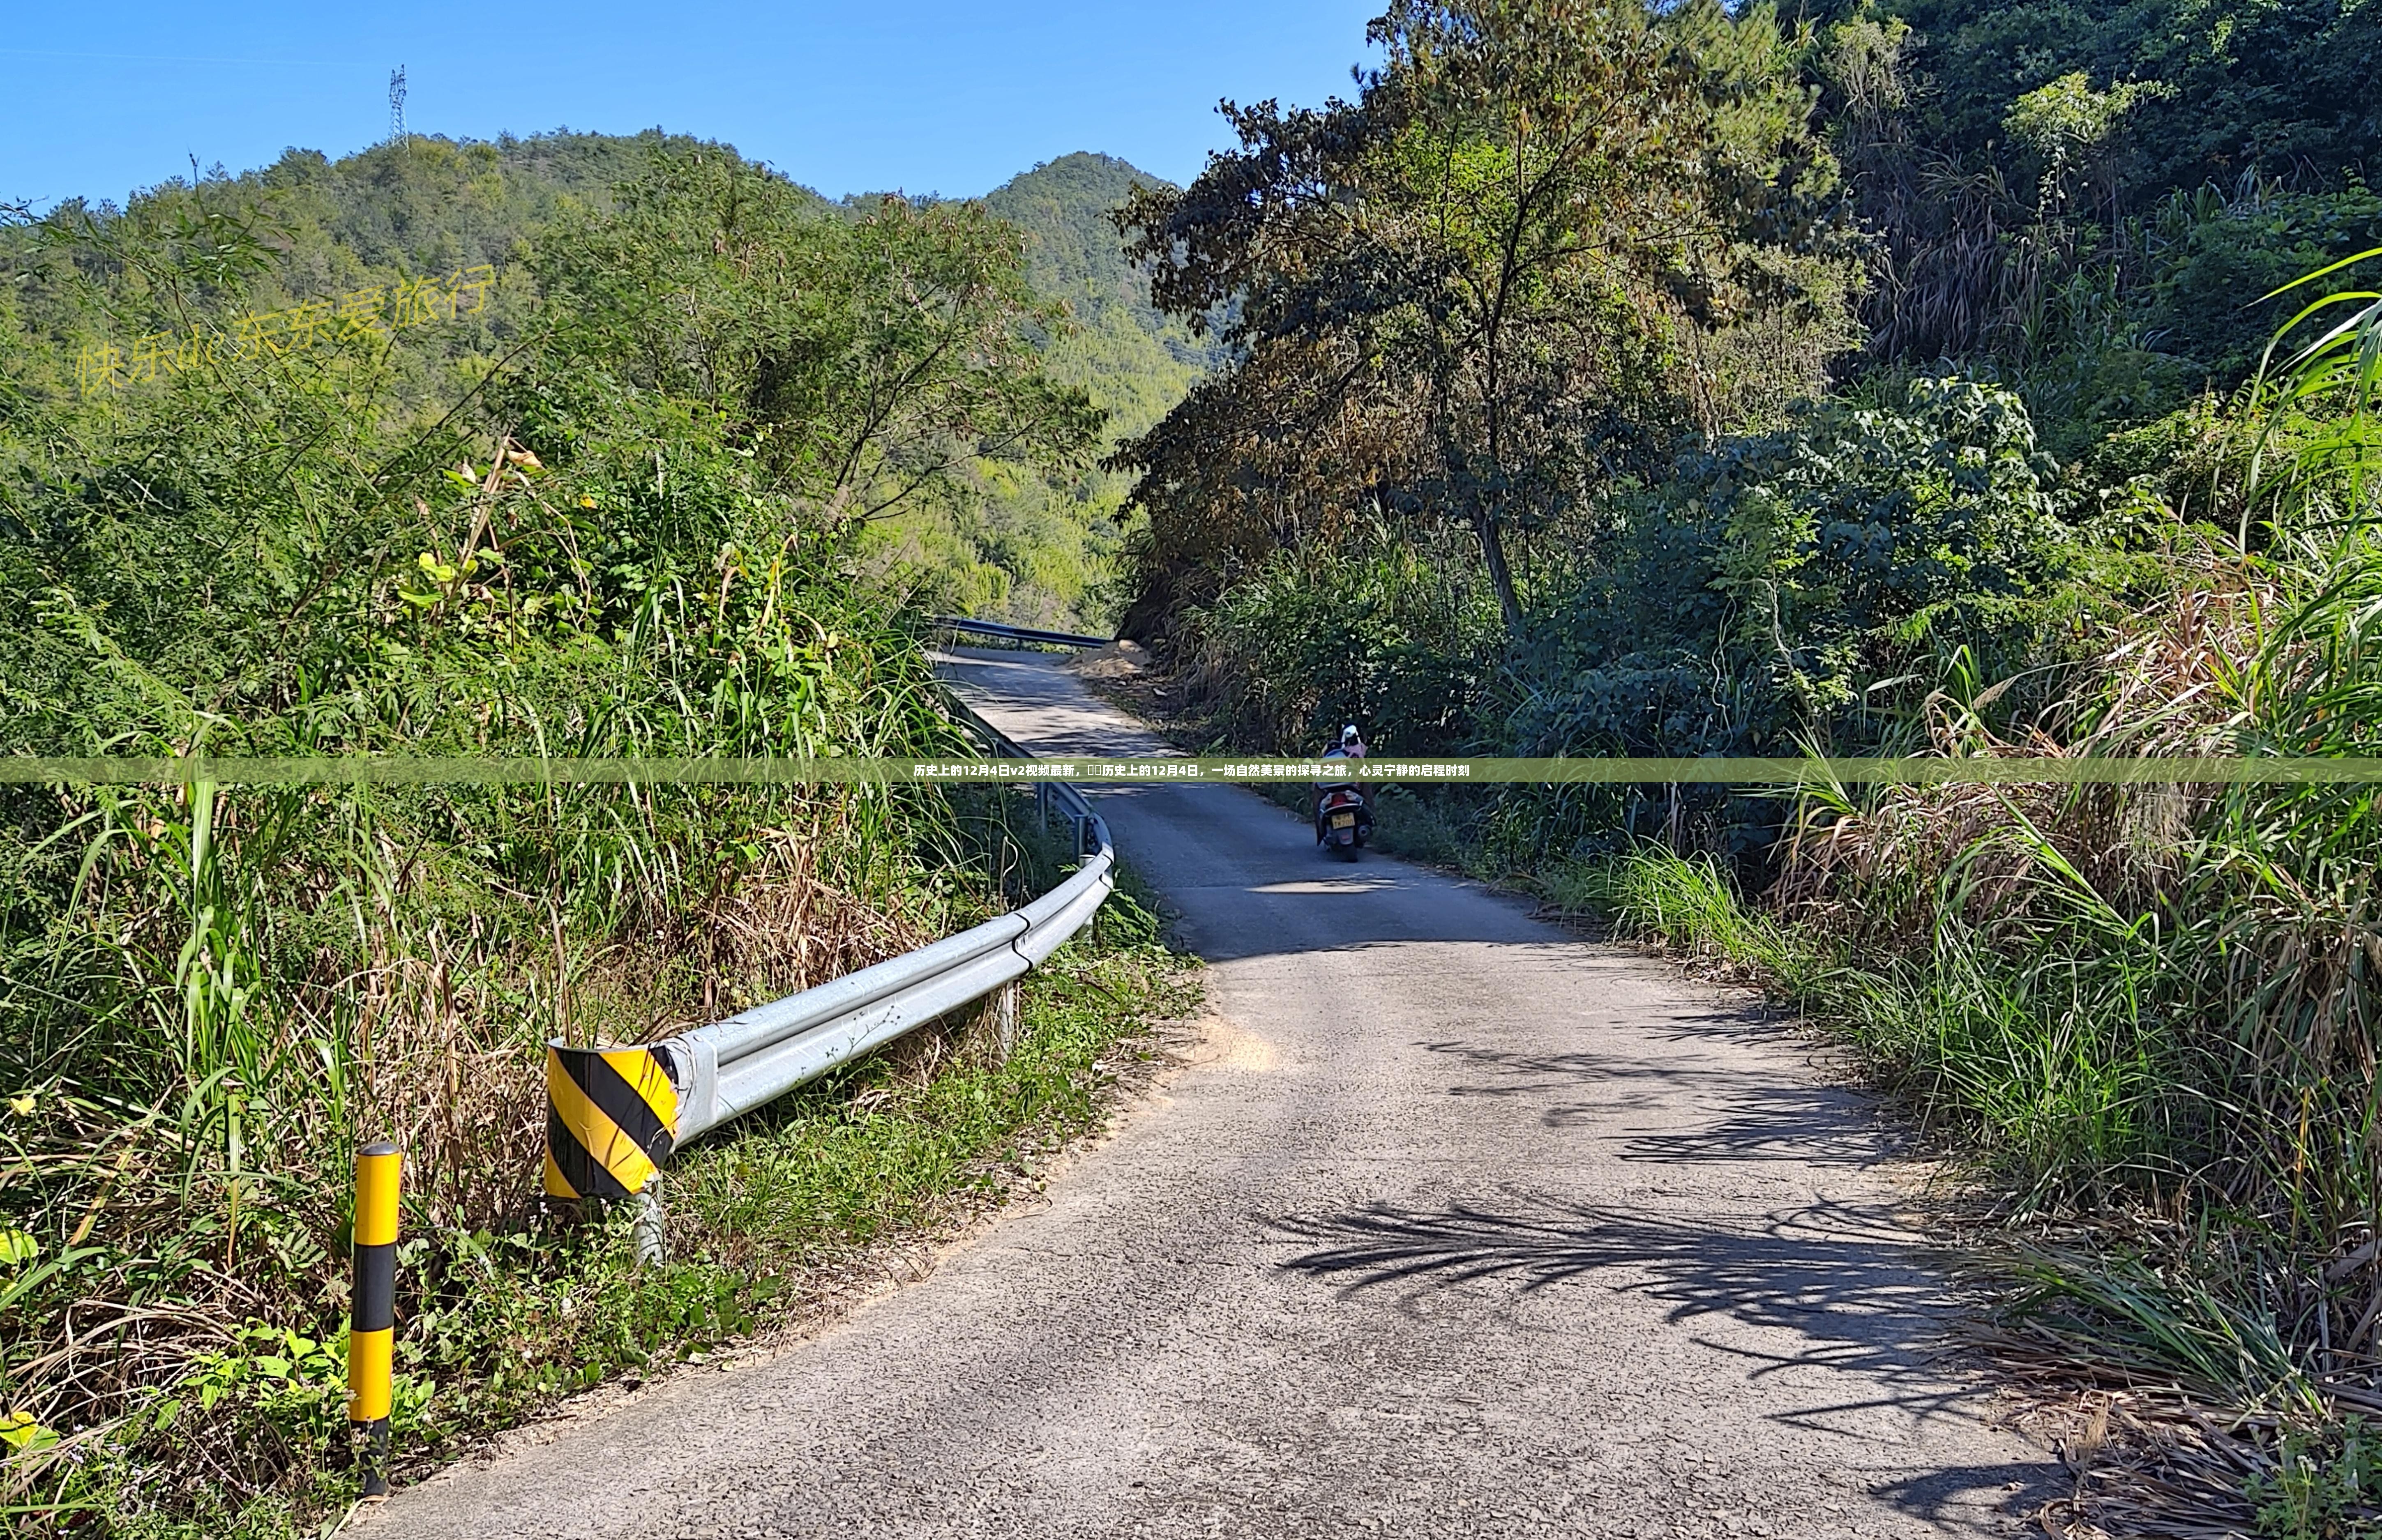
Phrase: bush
x=1749 y=603
x=1370 y=632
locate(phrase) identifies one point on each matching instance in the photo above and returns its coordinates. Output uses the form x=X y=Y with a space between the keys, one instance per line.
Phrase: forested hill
x=438 y=199
x=311 y=231
x=1073 y=254
x=1135 y=359
x=1033 y=551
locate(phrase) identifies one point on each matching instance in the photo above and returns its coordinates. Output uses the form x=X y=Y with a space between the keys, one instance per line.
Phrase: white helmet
x=1349 y=735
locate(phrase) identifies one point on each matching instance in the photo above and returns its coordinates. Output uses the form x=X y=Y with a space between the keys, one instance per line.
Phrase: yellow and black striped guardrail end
x=611 y=1119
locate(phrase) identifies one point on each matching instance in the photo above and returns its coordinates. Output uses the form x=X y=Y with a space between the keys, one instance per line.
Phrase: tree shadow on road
x=1830 y=1286
x=1735 y=1115
x=1835 y=1287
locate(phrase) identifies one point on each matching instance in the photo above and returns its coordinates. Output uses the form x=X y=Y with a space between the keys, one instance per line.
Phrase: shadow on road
x=1747 y=1120
x=1801 y=1124
x=1831 y=1285
x=2019 y=1487
x=1828 y=1288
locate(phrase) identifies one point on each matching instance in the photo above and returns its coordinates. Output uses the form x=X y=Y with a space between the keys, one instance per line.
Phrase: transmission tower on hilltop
x=396 y=134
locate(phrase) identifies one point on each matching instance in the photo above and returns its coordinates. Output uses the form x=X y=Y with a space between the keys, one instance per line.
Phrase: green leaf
x=19 y=1431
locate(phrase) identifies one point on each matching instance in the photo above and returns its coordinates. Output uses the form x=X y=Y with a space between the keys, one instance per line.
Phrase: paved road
x=1463 y=1227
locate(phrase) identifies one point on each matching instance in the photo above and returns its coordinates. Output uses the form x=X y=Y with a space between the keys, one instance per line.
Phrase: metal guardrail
x=616 y=1113
x=999 y=632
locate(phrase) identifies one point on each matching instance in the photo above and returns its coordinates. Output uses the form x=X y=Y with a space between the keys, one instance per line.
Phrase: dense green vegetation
x=1037 y=549
x=565 y=448
x=1602 y=376
x=1913 y=397
x=1004 y=537
x=2094 y=199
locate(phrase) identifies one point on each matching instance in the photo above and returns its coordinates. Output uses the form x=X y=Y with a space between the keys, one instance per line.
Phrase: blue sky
x=922 y=96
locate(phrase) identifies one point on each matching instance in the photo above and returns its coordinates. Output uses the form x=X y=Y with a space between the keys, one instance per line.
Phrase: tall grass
x=2158 y=1004
x=174 y=1198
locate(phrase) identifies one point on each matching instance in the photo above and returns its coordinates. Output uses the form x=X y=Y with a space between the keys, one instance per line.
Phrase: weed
x=2325 y=1484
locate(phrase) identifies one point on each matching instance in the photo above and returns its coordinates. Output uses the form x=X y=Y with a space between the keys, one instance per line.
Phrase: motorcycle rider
x=1351 y=746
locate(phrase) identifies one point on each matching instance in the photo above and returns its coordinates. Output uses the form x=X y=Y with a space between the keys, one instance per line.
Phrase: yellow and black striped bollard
x=372 y=1328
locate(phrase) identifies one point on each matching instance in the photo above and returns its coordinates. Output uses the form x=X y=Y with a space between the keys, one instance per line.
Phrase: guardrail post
x=645 y=1230
x=997 y=1026
x=372 y=1321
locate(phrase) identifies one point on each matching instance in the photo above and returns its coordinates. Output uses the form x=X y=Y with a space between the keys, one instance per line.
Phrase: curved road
x=1463 y=1227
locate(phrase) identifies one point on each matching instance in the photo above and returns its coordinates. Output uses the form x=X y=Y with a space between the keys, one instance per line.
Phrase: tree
x=867 y=360
x=1548 y=235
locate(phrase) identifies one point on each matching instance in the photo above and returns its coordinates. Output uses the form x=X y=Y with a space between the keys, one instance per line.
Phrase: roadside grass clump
x=1687 y=903
x=2143 y=1322
x=764 y=1220
x=2148 y=1011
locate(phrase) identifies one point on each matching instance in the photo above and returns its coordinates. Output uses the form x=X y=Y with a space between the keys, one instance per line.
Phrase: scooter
x=1343 y=820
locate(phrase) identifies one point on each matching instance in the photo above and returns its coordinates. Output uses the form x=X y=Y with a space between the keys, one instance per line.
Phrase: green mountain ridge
x=1033 y=552
x=311 y=229
x=1073 y=253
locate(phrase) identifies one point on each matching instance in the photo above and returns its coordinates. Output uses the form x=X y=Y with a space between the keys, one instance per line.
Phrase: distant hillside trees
x=999 y=533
